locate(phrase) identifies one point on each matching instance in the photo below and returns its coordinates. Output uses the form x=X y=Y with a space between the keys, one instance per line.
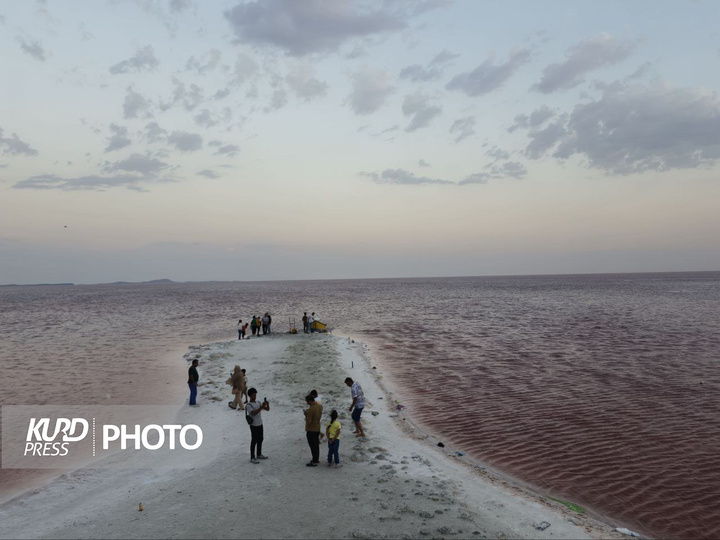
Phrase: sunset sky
x=300 y=139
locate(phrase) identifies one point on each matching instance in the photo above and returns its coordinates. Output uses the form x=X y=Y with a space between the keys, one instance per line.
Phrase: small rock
x=541 y=526
x=441 y=445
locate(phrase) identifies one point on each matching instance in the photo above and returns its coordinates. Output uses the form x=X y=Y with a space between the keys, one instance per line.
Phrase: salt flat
x=396 y=483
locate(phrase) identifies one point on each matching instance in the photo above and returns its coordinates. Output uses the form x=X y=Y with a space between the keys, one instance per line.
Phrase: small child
x=333 y=437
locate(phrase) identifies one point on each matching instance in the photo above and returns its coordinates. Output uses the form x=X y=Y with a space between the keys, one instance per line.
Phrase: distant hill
x=141 y=282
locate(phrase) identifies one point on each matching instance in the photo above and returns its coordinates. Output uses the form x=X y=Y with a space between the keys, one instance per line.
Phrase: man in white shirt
x=358 y=404
x=254 y=409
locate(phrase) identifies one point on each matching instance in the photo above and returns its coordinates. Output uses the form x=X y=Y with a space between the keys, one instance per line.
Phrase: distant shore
x=394 y=484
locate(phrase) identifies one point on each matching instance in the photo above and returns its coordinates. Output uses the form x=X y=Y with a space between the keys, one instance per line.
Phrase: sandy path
x=392 y=484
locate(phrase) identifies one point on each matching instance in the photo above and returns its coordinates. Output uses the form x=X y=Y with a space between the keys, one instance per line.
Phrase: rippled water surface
x=598 y=389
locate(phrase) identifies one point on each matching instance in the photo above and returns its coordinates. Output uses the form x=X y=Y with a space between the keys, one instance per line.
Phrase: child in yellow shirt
x=332 y=431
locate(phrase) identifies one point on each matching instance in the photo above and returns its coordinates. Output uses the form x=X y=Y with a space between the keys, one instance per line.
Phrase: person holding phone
x=254 y=409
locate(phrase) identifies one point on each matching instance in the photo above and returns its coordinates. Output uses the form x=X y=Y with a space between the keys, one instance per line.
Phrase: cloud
x=118 y=139
x=423 y=163
x=406 y=178
x=278 y=99
x=487 y=76
x=143 y=60
x=33 y=48
x=542 y=140
x=537 y=118
x=85 y=34
x=403 y=177
x=588 y=55
x=154 y=133
x=418 y=106
x=230 y=150
x=301 y=28
x=433 y=71
x=189 y=99
x=186 y=142
x=15 y=146
x=497 y=153
x=636 y=128
x=206 y=119
x=135 y=104
x=463 y=128
x=137 y=163
x=87 y=183
x=246 y=69
x=178 y=6
x=303 y=82
x=382 y=132
x=206 y=63
x=370 y=89
x=207 y=173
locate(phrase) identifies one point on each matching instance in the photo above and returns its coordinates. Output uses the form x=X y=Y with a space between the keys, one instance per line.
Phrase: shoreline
x=415 y=488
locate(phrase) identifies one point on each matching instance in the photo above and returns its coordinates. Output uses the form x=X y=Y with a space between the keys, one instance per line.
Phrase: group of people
x=313 y=421
x=308 y=321
x=257 y=324
x=313 y=415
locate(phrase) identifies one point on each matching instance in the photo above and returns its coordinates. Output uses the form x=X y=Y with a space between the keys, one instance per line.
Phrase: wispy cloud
x=89 y=182
x=118 y=138
x=207 y=173
x=185 y=141
x=420 y=108
x=15 y=146
x=588 y=55
x=33 y=48
x=488 y=76
x=143 y=60
x=636 y=128
x=402 y=177
x=370 y=90
x=301 y=28
x=462 y=128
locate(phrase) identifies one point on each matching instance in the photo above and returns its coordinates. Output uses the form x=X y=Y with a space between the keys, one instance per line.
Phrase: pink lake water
x=599 y=389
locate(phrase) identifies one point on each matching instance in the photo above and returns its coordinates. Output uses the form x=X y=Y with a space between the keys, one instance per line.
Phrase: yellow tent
x=317 y=326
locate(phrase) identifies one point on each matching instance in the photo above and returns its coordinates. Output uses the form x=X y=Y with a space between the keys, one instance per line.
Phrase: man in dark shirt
x=193 y=378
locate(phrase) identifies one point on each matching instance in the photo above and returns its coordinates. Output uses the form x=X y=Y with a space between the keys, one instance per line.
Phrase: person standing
x=305 y=323
x=332 y=432
x=193 y=378
x=269 y=322
x=253 y=325
x=254 y=410
x=311 y=320
x=358 y=404
x=244 y=331
x=313 y=414
x=264 y=322
x=240 y=329
x=238 y=388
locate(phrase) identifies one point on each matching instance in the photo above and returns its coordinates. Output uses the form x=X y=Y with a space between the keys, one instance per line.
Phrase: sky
x=332 y=139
